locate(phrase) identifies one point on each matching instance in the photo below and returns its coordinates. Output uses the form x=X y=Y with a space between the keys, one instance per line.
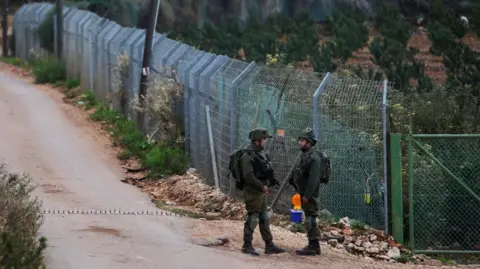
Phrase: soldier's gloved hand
x=266 y=189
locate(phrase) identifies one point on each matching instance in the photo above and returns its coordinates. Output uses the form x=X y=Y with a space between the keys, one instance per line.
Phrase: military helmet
x=259 y=134
x=308 y=135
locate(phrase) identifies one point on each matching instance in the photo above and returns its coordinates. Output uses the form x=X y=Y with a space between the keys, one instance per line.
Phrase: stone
x=333 y=242
x=347 y=231
x=211 y=242
x=394 y=253
x=340 y=246
x=359 y=249
x=334 y=233
x=373 y=238
x=358 y=242
x=350 y=247
x=373 y=250
x=349 y=239
x=383 y=257
x=384 y=246
x=344 y=222
x=366 y=244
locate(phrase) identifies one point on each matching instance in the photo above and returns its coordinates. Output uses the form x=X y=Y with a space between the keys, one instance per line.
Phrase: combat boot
x=312 y=249
x=317 y=247
x=247 y=248
x=271 y=248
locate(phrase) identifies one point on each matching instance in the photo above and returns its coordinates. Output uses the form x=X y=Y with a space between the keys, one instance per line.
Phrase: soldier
x=257 y=176
x=306 y=180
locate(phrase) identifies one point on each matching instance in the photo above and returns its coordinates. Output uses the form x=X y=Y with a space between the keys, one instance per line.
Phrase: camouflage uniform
x=255 y=198
x=306 y=180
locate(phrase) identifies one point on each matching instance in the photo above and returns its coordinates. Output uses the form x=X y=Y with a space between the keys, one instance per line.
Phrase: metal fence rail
x=348 y=115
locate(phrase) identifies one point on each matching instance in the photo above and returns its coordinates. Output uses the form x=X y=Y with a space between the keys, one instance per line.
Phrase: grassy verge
x=161 y=160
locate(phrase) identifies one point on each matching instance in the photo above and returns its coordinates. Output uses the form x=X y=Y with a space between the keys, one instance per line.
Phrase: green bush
x=19 y=223
x=164 y=160
x=72 y=83
x=49 y=71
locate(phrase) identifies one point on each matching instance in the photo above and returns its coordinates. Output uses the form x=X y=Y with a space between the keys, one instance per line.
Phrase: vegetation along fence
x=347 y=114
x=442 y=191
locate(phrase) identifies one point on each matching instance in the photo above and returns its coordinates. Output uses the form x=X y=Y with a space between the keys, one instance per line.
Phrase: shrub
x=89 y=99
x=72 y=83
x=49 y=71
x=20 y=220
x=163 y=160
x=164 y=93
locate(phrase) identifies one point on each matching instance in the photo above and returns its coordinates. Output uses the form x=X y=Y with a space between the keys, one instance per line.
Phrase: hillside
x=419 y=40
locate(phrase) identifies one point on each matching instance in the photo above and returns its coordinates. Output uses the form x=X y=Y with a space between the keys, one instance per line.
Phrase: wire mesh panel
x=207 y=97
x=225 y=88
x=281 y=101
x=446 y=192
x=350 y=133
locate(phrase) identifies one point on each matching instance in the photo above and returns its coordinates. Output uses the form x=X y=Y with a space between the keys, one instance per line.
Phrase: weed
x=447 y=260
x=89 y=99
x=166 y=160
x=72 y=83
x=49 y=71
x=14 y=61
x=358 y=225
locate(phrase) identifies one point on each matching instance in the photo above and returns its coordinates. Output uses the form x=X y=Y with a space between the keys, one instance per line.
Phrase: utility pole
x=59 y=9
x=5 y=28
x=147 y=54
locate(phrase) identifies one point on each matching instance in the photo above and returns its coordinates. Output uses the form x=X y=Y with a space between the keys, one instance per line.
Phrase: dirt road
x=75 y=168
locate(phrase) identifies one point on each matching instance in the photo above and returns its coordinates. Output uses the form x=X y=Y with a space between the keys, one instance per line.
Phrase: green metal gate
x=441 y=174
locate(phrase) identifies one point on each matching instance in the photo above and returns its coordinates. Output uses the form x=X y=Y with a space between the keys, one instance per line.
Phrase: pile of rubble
x=189 y=192
x=367 y=242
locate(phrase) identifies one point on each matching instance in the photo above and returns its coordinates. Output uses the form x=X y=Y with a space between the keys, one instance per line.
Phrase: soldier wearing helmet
x=306 y=180
x=256 y=166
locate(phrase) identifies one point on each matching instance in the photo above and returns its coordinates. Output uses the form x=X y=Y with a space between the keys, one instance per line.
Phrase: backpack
x=326 y=168
x=234 y=167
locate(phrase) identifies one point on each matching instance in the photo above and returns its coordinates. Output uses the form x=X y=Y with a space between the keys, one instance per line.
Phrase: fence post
x=385 y=153
x=233 y=112
x=212 y=147
x=316 y=95
x=233 y=105
x=397 y=185
x=411 y=222
x=91 y=57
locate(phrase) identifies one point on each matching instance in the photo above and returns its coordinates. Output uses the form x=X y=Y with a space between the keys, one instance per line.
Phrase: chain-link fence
x=445 y=192
x=348 y=115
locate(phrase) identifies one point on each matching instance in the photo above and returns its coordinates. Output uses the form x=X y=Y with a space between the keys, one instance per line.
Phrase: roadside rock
x=394 y=253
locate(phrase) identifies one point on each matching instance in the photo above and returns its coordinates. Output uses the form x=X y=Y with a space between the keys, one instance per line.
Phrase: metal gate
x=443 y=176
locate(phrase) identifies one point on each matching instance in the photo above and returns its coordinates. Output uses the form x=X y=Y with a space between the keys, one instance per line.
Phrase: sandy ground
x=74 y=165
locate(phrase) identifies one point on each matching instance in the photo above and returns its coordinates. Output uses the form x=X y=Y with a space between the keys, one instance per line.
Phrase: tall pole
x=5 y=28
x=59 y=9
x=147 y=54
